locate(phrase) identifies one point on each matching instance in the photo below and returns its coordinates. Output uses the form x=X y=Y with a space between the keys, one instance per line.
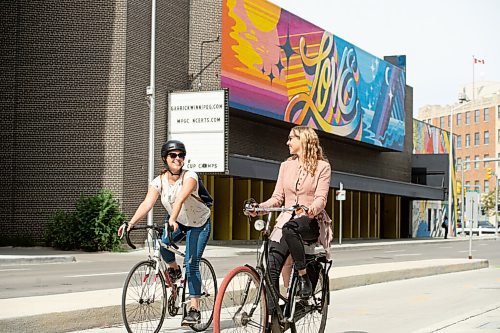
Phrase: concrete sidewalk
x=101 y=308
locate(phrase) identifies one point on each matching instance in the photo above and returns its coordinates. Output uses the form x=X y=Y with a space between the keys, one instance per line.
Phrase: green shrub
x=99 y=217
x=92 y=227
x=62 y=231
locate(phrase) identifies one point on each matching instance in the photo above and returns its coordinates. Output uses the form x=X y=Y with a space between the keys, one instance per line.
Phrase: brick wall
x=75 y=116
x=66 y=63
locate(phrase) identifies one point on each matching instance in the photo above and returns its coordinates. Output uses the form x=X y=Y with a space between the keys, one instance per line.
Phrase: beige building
x=476 y=126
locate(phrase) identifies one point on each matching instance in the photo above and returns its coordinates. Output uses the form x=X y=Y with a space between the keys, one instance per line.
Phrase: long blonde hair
x=312 y=151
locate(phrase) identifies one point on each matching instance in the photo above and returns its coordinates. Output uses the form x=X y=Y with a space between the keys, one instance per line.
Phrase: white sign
x=198 y=119
x=472 y=206
x=340 y=195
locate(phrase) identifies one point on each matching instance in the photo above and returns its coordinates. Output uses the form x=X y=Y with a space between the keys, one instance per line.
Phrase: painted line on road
x=97 y=274
x=14 y=269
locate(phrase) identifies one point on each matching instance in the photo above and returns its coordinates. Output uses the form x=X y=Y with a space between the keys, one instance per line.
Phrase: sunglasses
x=175 y=155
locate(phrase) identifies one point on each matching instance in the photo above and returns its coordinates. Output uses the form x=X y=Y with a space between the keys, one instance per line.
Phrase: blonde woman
x=303 y=179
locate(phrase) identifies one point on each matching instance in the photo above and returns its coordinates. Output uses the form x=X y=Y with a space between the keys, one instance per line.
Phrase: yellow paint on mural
x=264 y=15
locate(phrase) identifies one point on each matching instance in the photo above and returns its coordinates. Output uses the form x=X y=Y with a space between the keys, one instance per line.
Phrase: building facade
x=76 y=117
x=476 y=128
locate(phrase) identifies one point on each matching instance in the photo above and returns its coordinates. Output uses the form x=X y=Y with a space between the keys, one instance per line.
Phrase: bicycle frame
x=285 y=315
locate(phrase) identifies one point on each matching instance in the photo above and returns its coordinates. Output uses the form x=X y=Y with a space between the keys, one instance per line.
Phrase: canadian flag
x=479 y=61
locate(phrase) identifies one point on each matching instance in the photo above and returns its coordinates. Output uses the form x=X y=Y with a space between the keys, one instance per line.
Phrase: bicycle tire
x=311 y=315
x=232 y=307
x=209 y=292
x=143 y=309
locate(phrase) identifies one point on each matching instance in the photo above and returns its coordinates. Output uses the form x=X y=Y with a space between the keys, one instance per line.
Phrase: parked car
x=483 y=227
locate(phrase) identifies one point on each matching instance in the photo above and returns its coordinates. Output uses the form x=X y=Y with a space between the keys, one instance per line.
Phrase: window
x=476 y=139
x=459 y=116
x=498 y=112
x=467 y=163
x=477 y=187
x=486 y=156
x=449 y=121
x=476 y=116
x=459 y=141
x=498 y=162
x=486 y=137
x=498 y=136
x=459 y=162
x=441 y=122
x=486 y=114
x=467 y=140
x=467 y=185
x=476 y=163
x=486 y=186
x=467 y=118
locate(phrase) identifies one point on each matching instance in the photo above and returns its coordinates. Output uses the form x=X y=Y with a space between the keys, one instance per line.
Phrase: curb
x=6 y=260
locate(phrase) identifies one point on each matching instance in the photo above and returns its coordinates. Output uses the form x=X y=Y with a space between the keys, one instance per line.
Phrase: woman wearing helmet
x=187 y=215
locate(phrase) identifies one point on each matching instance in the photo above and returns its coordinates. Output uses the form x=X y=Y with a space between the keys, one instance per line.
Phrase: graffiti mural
x=278 y=65
x=428 y=139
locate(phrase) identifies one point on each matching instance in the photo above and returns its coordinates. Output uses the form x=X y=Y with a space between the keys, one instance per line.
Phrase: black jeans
x=295 y=232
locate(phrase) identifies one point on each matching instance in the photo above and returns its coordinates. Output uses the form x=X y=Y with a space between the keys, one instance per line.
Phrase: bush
x=62 y=231
x=92 y=227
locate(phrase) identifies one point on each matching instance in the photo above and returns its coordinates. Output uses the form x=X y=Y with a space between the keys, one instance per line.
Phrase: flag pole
x=473 y=79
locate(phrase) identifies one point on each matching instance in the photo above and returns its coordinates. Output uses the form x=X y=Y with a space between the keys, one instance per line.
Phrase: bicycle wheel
x=310 y=315
x=144 y=299
x=237 y=294
x=208 y=294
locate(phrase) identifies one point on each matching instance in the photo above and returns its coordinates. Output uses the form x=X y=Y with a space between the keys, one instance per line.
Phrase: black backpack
x=203 y=194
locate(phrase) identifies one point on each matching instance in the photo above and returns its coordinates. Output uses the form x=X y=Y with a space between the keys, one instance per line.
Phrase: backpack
x=203 y=195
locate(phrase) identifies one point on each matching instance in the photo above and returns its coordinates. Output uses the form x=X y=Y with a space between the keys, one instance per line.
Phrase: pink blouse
x=296 y=186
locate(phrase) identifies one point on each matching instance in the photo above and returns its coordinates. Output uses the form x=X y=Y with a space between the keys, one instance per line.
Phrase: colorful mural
x=278 y=65
x=428 y=139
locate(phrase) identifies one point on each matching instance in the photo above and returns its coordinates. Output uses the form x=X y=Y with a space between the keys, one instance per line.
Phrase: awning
x=258 y=168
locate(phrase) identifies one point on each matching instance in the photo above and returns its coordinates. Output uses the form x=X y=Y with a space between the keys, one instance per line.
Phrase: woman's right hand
x=173 y=225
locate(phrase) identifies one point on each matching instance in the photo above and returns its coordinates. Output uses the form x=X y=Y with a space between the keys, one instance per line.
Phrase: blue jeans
x=196 y=241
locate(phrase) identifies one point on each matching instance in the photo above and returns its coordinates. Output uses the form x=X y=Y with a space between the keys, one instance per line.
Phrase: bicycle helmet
x=172 y=145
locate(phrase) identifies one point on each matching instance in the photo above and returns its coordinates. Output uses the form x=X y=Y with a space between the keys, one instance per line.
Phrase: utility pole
x=151 y=93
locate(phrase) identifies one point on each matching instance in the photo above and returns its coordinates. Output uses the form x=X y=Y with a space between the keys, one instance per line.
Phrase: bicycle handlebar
x=250 y=208
x=154 y=227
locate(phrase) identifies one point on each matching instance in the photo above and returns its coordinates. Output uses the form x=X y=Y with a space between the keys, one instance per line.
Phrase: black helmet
x=172 y=145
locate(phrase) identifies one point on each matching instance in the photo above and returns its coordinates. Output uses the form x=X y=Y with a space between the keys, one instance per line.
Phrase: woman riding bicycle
x=303 y=179
x=178 y=189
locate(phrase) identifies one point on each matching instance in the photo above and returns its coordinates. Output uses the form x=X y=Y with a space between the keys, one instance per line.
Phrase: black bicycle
x=144 y=298
x=241 y=305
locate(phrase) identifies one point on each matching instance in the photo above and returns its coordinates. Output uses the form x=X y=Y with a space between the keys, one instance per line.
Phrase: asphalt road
x=95 y=271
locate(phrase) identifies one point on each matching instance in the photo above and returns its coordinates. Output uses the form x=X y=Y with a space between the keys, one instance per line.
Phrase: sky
x=438 y=37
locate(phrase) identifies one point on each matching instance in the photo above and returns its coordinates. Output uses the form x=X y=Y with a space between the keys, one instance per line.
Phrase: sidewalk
x=100 y=308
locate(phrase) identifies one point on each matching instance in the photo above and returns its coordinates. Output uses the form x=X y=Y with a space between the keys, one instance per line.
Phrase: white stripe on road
x=97 y=274
x=14 y=269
